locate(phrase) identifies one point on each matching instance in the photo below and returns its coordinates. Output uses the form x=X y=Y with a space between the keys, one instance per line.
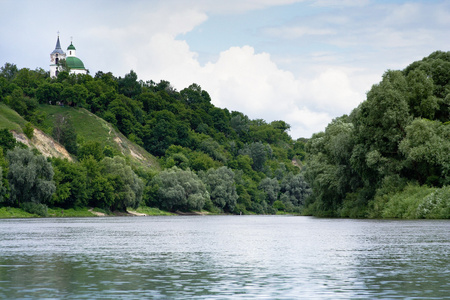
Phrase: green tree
x=49 y=93
x=128 y=187
x=196 y=98
x=221 y=187
x=221 y=120
x=29 y=80
x=151 y=101
x=213 y=149
x=160 y=132
x=99 y=190
x=421 y=101
x=379 y=126
x=29 y=130
x=30 y=177
x=271 y=188
x=259 y=153
x=329 y=171
x=200 y=161
x=7 y=140
x=294 y=189
x=180 y=190
x=70 y=181
x=23 y=105
x=9 y=71
x=16 y=101
x=4 y=184
x=64 y=133
x=128 y=115
x=74 y=95
x=91 y=148
x=239 y=123
x=129 y=86
x=427 y=148
x=2 y=189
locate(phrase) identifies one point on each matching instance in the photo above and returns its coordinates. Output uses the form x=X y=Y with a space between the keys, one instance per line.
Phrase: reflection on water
x=217 y=257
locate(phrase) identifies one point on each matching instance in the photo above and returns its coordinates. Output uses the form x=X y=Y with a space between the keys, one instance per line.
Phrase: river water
x=223 y=257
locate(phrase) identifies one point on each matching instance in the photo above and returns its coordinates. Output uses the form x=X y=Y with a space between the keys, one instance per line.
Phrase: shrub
x=404 y=204
x=353 y=207
x=35 y=208
x=278 y=205
x=29 y=130
x=436 y=205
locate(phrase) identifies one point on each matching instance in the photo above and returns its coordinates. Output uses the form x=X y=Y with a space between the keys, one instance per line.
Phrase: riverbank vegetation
x=118 y=144
x=390 y=157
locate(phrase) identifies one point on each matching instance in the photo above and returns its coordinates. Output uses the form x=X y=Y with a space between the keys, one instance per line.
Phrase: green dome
x=74 y=63
x=71 y=47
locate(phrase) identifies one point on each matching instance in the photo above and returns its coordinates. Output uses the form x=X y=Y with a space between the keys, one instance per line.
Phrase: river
x=223 y=257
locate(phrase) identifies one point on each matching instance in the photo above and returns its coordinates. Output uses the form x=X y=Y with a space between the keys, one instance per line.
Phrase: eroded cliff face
x=44 y=143
x=48 y=147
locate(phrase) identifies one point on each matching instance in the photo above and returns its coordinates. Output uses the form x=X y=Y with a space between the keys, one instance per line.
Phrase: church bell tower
x=55 y=58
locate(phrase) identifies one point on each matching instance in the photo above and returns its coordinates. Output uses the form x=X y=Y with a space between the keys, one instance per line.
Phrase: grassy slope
x=89 y=127
x=10 y=120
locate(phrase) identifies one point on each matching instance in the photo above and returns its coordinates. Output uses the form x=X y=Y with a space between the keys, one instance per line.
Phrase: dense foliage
x=211 y=158
x=391 y=156
x=388 y=158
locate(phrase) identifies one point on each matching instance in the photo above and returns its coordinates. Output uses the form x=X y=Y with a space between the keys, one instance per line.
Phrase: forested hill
x=391 y=156
x=207 y=157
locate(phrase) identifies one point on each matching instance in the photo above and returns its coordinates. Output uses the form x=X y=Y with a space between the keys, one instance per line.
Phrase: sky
x=303 y=62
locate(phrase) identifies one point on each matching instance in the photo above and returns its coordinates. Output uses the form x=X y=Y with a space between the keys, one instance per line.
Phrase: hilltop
x=89 y=128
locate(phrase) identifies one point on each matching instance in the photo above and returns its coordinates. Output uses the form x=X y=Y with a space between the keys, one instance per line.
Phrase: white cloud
x=234 y=6
x=331 y=92
x=249 y=81
x=297 y=32
x=341 y=2
x=252 y=83
x=304 y=122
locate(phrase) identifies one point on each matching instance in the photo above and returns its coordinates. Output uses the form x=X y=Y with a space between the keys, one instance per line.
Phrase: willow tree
x=30 y=177
x=180 y=190
x=128 y=187
x=221 y=187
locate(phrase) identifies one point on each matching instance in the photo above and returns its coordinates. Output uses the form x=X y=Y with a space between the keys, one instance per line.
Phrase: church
x=74 y=64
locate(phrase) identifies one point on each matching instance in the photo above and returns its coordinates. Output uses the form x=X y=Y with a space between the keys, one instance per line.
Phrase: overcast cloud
x=304 y=62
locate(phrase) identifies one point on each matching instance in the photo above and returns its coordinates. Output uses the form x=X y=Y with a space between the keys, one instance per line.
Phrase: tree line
x=390 y=157
x=210 y=158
